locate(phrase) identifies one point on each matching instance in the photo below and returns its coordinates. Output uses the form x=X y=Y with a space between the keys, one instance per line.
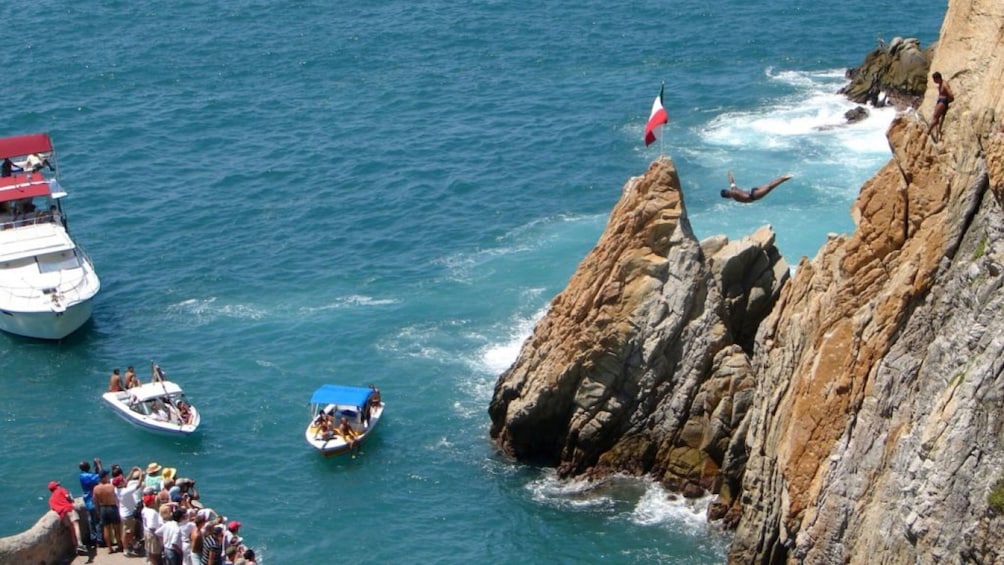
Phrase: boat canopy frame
x=23 y=145
x=151 y=391
x=27 y=185
x=341 y=395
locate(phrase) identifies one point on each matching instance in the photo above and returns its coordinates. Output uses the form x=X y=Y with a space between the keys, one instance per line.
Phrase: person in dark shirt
x=88 y=481
x=9 y=168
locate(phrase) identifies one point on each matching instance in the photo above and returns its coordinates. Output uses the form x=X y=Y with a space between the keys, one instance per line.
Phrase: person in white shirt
x=128 y=491
x=159 y=411
x=151 y=523
x=187 y=525
x=35 y=162
x=170 y=535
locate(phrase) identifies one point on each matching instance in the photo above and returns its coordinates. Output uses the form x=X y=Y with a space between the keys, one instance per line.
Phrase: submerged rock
x=856 y=114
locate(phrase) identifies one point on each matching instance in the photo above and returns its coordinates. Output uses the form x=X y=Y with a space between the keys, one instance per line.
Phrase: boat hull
x=117 y=402
x=337 y=445
x=46 y=325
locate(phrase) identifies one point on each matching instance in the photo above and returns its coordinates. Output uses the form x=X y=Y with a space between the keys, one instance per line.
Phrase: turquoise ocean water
x=278 y=195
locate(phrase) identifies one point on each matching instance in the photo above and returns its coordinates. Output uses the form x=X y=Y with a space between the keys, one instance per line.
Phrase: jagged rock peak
x=640 y=364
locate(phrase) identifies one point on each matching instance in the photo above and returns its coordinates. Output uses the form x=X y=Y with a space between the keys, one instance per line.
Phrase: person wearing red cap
x=151 y=522
x=61 y=502
x=230 y=536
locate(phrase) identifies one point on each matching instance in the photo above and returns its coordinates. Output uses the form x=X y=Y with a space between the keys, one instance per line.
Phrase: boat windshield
x=60 y=261
x=140 y=407
x=160 y=408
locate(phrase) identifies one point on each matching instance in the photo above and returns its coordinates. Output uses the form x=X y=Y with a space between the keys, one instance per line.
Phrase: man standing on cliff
x=61 y=502
x=88 y=481
x=945 y=97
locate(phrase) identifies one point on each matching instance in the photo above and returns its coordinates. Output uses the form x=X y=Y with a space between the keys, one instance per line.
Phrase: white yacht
x=47 y=281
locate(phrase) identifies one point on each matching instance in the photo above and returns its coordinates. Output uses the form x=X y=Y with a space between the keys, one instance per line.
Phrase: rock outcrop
x=861 y=420
x=641 y=364
x=47 y=542
x=877 y=429
x=896 y=73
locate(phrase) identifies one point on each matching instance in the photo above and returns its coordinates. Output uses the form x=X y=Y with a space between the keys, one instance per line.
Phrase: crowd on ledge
x=149 y=513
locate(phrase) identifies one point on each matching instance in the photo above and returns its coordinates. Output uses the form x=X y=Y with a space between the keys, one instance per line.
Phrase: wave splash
x=813 y=114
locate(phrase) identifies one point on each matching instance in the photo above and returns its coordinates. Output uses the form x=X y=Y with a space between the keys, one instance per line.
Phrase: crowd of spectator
x=150 y=513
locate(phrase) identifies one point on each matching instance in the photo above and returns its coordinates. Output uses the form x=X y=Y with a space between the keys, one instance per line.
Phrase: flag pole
x=663 y=137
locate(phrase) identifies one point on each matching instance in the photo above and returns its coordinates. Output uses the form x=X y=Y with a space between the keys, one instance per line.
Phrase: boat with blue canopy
x=342 y=417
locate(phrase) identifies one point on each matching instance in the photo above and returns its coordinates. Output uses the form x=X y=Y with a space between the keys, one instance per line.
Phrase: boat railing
x=70 y=293
x=41 y=217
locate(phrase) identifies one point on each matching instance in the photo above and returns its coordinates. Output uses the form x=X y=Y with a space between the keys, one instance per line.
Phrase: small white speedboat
x=157 y=406
x=359 y=407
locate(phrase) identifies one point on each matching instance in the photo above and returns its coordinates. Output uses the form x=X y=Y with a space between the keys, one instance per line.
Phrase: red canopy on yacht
x=23 y=186
x=21 y=145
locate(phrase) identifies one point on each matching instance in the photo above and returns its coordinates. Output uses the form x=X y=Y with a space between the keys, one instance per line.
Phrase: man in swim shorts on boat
x=747 y=196
x=115 y=382
x=348 y=434
x=131 y=380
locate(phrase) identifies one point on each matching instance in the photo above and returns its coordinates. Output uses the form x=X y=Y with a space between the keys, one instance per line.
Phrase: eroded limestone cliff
x=876 y=433
x=851 y=414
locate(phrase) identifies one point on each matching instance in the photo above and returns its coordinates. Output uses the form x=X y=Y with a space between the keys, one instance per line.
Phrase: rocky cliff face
x=861 y=420
x=641 y=364
x=876 y=433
